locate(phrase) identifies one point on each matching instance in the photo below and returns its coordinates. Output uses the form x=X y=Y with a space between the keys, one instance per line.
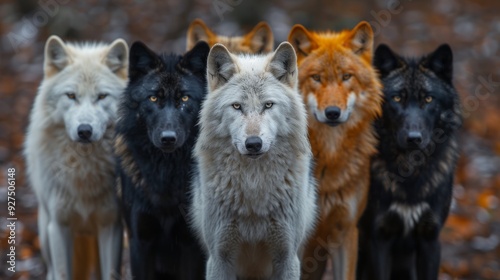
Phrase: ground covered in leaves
x=471 y=236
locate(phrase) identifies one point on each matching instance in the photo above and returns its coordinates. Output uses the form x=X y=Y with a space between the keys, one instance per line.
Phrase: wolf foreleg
x=61 y=250
x=110 y=248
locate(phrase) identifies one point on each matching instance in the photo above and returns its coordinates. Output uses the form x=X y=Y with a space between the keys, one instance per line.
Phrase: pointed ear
x=56 y=56
x=220 y=67
x=195 y=60
x=302 y=41
x=385 y=60
x=260 y=39
x=198 y=31
x=283 y=65
x=361 y=40
x=117 y=57
x=142 y=60
x=441 y=62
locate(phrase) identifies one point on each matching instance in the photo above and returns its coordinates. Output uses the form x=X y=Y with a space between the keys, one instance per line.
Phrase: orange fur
x=85 y=258
x=258 y=40
x=343 y=152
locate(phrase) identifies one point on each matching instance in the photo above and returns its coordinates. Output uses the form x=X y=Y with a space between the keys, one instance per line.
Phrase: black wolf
x=156 y=132
x=412 y=174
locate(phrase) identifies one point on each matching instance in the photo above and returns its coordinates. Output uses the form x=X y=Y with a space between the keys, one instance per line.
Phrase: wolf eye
x=346 y=77
x=428 y=99
x=185 y=98
x=316 y=77
x=237 y=106
x=269 y=105
x=71 y=95
x=101 y=96
x=153 y=98
x=396 y=98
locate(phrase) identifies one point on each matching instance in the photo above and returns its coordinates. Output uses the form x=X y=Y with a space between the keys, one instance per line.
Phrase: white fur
x=410 y=214
x=74 y=182
x=320 y=114
x=253 y=215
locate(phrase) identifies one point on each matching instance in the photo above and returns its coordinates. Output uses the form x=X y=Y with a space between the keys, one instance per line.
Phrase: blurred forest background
x=413 y=27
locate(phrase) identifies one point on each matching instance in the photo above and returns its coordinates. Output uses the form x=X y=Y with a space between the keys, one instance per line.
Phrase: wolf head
x=83 y=84
x=336 y=77
x=420 y=100
x=251 y=99
x=259 y=40
x=165 y=92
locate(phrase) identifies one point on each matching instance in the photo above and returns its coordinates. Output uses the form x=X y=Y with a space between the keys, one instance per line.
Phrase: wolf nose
x=414 y=137
x=84 y=131
x=253 y=144
x=168 y=137
x=332 y=113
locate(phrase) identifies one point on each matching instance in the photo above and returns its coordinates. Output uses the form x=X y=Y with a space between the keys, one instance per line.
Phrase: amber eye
x=346 y=77
x=101 y=96
x=185 y=98
x=71 y=95
x=316 y=77
x=396 y=98
x=428 y=99
x=153 y=98
x=269 y=105
x=236 y=106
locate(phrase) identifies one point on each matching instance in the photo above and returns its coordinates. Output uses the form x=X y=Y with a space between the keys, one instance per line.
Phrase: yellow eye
x=346 y=77
x=153 y=98
x=396 y=98
x=269 y=105
x=428 y=99
x=236 y=106
x=102 y=96
x=71 y=95
x=316 y=77
x=185 y=98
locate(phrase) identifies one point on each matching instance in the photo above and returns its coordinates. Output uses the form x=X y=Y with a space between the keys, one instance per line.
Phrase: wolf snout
x=253 y=144
x=332 y=113
x=84 y=132
x=414 y=137
x=168 y=138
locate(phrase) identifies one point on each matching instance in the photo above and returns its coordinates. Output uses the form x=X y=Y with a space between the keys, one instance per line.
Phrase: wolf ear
x=198 y=31
x=302 y=41
x=260 y=39
x=142 y=60
x=117 y=57
x=385 y=60
x=441 y=62
x=361 y=40
x=283 y=65
x=220 y=67
x=195 y=60
x=56 y=56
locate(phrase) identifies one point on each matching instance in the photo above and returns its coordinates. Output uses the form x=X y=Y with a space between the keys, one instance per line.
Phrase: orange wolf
x=259 y=40
x=343 y=95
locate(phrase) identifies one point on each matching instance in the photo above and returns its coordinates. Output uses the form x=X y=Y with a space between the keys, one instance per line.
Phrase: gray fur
x=253 y=215
x=74 y=182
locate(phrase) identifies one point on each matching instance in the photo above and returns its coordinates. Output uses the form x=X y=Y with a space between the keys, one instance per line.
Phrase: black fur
x=415 y=164
x=155 y=173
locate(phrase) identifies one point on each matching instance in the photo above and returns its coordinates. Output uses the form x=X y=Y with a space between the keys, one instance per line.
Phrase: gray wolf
x=68 y=152
x=344 y=96
x=258 y=40
x=412 y=173
x=254 y=195
x=156 y=132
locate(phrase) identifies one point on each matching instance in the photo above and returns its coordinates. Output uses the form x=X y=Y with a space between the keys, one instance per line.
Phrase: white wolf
x=68 y=152
x=254 y=197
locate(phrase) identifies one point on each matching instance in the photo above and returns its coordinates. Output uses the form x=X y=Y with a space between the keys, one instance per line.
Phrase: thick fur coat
x=69 y=153
x=156 y=133
x=254 y=196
